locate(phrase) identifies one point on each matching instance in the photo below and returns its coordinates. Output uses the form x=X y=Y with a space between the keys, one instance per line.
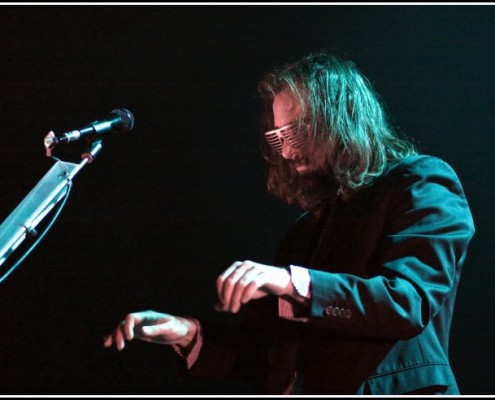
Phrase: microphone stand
x=53 y=187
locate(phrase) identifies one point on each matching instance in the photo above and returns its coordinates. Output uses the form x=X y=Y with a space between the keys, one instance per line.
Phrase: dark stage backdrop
x=167 y=207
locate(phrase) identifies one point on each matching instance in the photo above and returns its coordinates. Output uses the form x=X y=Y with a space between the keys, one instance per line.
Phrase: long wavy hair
x=351 y=141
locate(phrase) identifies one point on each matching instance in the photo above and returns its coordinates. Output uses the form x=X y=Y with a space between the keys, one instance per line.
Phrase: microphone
x=119 y=120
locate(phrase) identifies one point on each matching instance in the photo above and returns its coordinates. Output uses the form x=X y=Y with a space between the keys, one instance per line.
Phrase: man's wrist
x=187 y=341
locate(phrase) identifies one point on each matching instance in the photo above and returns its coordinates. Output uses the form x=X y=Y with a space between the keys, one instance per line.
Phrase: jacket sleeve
x=415 y=266
x=235 y=349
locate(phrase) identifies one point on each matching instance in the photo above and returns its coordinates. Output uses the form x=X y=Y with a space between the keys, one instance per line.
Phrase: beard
x=314 y=188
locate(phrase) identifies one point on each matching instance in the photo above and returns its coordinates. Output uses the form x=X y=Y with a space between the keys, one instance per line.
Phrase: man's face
x=286 y=110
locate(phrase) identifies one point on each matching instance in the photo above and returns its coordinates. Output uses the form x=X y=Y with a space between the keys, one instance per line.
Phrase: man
x=360 y=297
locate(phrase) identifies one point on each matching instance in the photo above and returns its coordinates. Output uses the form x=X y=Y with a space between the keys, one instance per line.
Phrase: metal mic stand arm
x=52 y=188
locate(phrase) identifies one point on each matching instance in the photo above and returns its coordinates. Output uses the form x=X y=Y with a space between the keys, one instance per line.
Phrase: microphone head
x=126 y=119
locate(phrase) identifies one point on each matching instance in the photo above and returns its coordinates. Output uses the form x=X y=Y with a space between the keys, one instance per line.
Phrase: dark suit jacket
x=384 y=267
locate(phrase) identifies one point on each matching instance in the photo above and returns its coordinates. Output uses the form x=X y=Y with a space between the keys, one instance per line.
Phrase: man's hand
x=246 y=280
x=151 y=326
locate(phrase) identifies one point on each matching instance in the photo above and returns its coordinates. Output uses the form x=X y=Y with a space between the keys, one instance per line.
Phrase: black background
x=168 y=206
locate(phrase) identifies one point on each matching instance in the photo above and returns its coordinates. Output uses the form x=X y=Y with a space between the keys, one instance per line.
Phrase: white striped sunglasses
x=294 y=133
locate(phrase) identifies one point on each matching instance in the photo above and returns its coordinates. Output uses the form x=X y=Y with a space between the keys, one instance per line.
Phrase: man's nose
x=287 y=150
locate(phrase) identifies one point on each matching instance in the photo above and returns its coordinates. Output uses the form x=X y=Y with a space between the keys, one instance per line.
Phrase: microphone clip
x=50 y=141
x=95 y=145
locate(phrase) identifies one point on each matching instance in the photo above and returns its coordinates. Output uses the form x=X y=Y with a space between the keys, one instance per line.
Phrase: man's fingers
x=129 y=324
x=244 y=288
x=223 y=277
x=227 y=281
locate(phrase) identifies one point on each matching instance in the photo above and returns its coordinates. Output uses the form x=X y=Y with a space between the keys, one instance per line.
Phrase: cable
x=62 y=204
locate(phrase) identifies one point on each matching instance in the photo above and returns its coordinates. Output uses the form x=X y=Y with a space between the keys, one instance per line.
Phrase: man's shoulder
x=420 y=164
